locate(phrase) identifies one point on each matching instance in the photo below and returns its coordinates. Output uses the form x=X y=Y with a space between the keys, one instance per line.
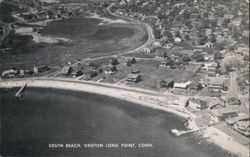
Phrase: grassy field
x=150 y=73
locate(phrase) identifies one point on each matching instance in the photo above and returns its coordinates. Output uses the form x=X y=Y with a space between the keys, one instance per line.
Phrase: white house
x=197 y=104
x=183 y=85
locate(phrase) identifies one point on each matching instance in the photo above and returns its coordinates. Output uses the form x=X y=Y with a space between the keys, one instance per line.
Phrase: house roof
x=160 y=50
x=198 y=101
x=133 y=76
x=245 y=117
x=214 y=80
x=177 y=39
x=242 y=125
x=220 y=111
x=183 y=84
x=169 y=80
x=233 y=100
x=66 y=68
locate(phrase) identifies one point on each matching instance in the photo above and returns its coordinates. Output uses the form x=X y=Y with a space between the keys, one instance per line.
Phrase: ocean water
x=89 y=39
x=50 y=116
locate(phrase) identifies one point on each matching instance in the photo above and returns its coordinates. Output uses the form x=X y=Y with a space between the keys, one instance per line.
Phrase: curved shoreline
x=145 y=98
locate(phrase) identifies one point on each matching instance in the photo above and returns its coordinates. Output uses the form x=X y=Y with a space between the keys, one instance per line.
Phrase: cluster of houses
x=24 y=72
x=215 y=84
x=45 y=10
x=223 y=111
x=178 y=58
x=224 y=27
x=108 y=69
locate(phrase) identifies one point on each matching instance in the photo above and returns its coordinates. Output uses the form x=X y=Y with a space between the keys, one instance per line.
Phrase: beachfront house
x=133 y=78
x=110 y=69
x=197 y=104
x=113 y=61
x=21 y=73
x=234 y=120
x=182 y=85
x=146 y=50
x=67 y=70
x=90 y=74
x=233 y=101
x=161 y=52
x=77 y=71
x=167 y=83
x=217 y=105
x=130 y=61
x=195 y=86
x=39 y=69
x=135 y=71
x=215 y=83
x=166 y=63
x=9 y=73
x=223 y=113
x=243 y=127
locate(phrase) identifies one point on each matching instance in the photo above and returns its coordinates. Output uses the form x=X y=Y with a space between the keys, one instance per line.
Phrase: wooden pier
x=183 y=132
x=20 y=91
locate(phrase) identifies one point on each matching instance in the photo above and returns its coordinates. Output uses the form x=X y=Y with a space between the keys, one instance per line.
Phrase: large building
x=223 y=113
x=133 y=78
x=197 y=104
x=215 y=83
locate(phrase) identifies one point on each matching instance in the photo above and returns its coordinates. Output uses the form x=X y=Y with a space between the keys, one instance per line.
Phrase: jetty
x=177 y=132
x=20 y=91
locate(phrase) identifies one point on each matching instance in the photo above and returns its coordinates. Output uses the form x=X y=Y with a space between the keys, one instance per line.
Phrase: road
x=233 y=87
x=151 y=36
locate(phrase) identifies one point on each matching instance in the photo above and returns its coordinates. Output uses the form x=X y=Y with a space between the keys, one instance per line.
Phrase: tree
x=214 y=22
x=157 y=33
x=225 y=23
x=218 y=55
x=220 y=46
x=185 y=58
x=205 y=23
x=212 y=38
x=205 y=15
x=177 y=34
x=228 y=67
x=186 y=14
x=187 y=37
x=198 y=57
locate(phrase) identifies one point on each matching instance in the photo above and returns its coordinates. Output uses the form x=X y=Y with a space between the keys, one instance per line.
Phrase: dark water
x=73 y=28
x=88 y=40
x=46 y=116
x=5 y=12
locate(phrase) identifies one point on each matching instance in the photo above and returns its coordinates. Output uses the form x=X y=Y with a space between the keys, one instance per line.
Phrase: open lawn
x=151 y=74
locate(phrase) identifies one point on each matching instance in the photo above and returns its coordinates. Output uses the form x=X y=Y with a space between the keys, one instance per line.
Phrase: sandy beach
x=38 y=38
x=143 y=97
x=226 y=142
x=108 y=20
x=152 y=101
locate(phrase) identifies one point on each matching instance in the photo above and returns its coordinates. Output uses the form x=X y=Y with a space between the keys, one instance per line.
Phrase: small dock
x=20 y=91
x=179 y=133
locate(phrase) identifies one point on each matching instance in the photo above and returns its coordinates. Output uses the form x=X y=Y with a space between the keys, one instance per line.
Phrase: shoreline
x=210 y=134
x=135 y=97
